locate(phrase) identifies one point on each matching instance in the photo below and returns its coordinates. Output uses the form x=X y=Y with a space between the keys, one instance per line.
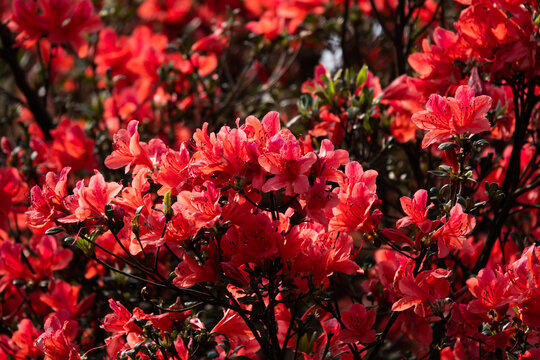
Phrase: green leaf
x=368 y=94
x=337 y=75
x=366 y=124
x=54 y=230
x=347 y=76
x=445 y=168
x=305 y=101
x=438 y=173
x=362 y=76
x=331 y=88
x=68 y=240
x=135 y=222
x=87 y=247
x=448 y=146
x=480 y=143
x=167 y=205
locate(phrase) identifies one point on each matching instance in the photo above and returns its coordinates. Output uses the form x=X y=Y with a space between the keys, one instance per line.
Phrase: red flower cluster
x=155 y=208
x=60 y=21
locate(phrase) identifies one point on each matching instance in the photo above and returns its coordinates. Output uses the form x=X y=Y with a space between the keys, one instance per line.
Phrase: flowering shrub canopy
x=269 y=179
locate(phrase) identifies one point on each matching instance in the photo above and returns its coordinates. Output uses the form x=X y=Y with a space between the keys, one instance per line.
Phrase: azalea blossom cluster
x=269 y=179
x=220 y=225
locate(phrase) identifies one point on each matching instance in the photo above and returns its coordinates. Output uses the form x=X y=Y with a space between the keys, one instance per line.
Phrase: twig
x=35 y=105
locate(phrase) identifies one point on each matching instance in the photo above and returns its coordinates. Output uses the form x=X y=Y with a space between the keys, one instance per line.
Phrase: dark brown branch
x=524 y=105
x=344 y=51
x=9 y=54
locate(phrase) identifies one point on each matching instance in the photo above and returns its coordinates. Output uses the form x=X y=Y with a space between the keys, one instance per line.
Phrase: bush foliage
x=293 y=179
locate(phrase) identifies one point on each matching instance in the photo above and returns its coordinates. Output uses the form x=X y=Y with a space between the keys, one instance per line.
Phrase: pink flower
x=417 y=211
x=358 y=325
x=64 y=297
x=325 y=254
x=57 y=340
x=289 y=167
x=201 y=204
x=329 y=161
x=492 y=290
x=62 y=21
x=48 y=204
x=11 y=265
x=189 y=272
x=357 y=195
x=129 y=151
x=423 y=291
x=93 y=198
x=453 y=234
x=24 y=338
x=119 y=321
x=446 y=116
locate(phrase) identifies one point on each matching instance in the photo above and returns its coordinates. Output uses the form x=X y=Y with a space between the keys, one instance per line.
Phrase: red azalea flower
x=12 y=266
x=50 y=257
x=492 y=290
x=320 y=257
x=416 y=210
x=50 y=203
x=233 y=330
x=120 y=321
x=320 y=201
x=453 y=234
x=423 y=291
x=70 y=147
x=64 y=297
x=189 y=272
x=168 y=11
x=92 y=199
x=358 y=325
x=24 y=338
x=62 y=21
x=12 y=190
x=289 y=167
x=129 y=151
x=329 y=160
x=57 y=342
x=357 y=195
x=268 y=24
x=446 y=116
x=201 y=204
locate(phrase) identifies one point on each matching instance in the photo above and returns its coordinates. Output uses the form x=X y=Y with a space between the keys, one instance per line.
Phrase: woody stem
x=35 y=104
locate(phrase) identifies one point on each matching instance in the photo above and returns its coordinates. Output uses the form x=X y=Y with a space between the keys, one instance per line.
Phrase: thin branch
x=35 y=105
x=12 y=97
x=344 y=35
